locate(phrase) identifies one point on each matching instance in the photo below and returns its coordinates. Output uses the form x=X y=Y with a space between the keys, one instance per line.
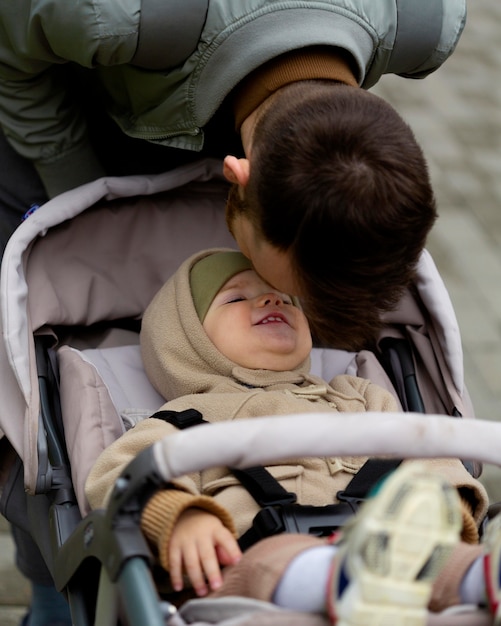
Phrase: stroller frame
x=100 y=560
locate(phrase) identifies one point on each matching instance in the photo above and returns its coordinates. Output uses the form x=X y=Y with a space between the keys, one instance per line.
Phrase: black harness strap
x=181 y=419
x=263 y=487
x=279 y=513
x=258 y=481
x=371 y=472
x=320 y=521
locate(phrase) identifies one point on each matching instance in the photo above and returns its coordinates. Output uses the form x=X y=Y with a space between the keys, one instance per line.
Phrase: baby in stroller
x=221 y=341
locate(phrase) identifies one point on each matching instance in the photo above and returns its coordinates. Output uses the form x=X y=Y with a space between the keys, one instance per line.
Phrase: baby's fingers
x=176 y=569
x=193 y=564
x=210 y=565
x=228 y=551
x=186 y=561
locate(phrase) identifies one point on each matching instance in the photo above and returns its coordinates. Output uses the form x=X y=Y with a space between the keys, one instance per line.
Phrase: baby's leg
x=385 y=566
x=263 y=565
x=461 y=581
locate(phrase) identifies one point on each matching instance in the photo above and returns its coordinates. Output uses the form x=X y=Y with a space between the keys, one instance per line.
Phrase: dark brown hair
x=338 y=181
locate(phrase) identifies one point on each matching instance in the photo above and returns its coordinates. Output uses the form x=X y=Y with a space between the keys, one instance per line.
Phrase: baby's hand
x=200 y=543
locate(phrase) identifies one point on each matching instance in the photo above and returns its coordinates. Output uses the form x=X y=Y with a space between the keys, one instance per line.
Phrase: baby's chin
x=276 y=361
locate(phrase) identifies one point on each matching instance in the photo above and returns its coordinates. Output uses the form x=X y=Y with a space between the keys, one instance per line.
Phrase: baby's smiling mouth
x=273 y=319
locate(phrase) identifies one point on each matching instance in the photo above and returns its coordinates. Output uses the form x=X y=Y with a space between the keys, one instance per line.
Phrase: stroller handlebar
x=259 y=441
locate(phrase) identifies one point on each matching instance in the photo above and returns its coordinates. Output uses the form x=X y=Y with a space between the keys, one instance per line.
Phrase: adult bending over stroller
x=138 y=89
x=332 y=169
x=220 y=340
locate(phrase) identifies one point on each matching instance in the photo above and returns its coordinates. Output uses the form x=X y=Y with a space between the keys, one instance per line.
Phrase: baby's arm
x=166 y=509
x=199 y=544
x=115 y=458
x=191 y=534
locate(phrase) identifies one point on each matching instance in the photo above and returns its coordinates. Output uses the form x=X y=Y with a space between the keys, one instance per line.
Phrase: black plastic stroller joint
x=114 y=535
x=109 y=547
x=103 y=560
x=135 y=486
x=396 y=357
x=279 y=511
x=320 y=521
x=53 y=473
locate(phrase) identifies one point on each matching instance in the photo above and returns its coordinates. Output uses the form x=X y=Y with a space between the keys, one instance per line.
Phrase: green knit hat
x=210 y=273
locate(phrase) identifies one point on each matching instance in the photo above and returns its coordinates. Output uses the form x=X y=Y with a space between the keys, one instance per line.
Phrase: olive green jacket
x=166 y=67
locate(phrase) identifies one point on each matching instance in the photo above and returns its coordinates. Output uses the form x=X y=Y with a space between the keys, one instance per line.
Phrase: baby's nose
x=271 y=299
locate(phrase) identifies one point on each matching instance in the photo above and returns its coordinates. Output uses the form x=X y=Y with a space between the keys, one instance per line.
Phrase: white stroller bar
x=257 y=441
x=249 y=442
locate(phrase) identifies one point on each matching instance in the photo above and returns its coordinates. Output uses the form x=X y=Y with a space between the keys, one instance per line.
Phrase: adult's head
x=334 y=204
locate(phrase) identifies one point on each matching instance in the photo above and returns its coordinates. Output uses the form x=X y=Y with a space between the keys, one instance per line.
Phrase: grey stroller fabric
x=235 y=611
x=52 y=277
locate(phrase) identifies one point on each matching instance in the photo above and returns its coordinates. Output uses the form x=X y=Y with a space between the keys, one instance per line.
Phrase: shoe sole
x=398 y=544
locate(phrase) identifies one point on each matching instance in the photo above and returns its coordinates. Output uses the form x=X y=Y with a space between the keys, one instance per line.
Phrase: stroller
x=75 y=280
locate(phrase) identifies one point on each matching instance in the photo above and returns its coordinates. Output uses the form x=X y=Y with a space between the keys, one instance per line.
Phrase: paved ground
x=456 y=114
x=14 y=589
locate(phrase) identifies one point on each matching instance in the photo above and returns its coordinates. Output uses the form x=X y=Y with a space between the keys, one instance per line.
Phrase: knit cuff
x=72 y=169
x=163 y=510
x=469 y=532
x=310 y=64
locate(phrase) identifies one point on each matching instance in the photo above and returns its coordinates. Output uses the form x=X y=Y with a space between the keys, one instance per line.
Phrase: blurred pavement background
x=456 y=115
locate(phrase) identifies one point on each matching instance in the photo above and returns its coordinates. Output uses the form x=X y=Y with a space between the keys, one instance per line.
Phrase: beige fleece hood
x=180 y=359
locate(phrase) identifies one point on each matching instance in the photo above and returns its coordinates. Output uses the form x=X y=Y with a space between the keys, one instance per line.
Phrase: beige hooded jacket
x=182 y=363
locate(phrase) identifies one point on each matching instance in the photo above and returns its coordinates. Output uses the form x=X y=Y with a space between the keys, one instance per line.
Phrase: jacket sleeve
x=113 y=460
x=164 y=508
x=37 y=114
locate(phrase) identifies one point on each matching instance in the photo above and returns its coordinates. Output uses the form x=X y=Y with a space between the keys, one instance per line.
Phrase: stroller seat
x=114 y=393
x=117 y=371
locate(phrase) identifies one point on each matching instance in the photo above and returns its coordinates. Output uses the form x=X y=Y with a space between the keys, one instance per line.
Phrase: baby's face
x=256 y=326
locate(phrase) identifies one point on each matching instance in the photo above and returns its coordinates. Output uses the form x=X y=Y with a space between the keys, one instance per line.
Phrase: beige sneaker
x=393 y=550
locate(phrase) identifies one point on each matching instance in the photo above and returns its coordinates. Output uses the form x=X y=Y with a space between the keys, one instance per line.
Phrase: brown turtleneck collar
x=304 y=64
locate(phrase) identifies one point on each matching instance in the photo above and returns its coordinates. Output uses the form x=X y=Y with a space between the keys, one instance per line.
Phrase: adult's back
x=166 y=68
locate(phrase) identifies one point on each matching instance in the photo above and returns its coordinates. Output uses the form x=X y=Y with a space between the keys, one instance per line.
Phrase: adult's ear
x=236 y=171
